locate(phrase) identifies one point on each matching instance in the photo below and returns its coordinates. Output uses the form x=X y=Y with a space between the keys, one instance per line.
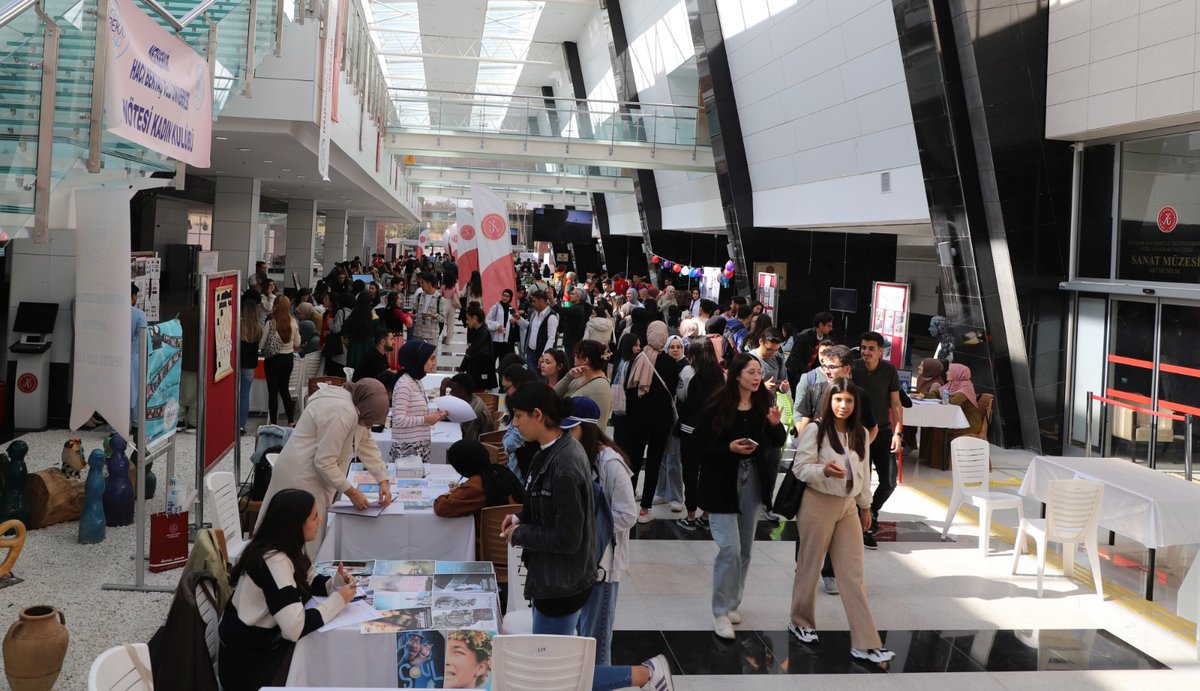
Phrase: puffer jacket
x=599 y=329
x=557 y=523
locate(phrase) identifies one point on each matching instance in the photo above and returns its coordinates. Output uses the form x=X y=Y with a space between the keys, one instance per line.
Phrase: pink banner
x=159 y=93
x=468 y=252
x=494 y=243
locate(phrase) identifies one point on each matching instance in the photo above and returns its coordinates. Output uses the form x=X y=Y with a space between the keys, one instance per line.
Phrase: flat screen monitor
x=905 y=380
x=562 y=225
x=843 y=300
x=35 y=317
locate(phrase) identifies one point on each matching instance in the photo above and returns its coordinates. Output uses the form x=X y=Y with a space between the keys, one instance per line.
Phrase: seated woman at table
x=411 y=419
x=274 y=578
x=336 y=425
x=962 y=394
x=485 y=484
x=930 y=378
x=462 y=387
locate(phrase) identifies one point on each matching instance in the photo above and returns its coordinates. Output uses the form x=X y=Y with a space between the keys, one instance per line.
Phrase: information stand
x=217 y=427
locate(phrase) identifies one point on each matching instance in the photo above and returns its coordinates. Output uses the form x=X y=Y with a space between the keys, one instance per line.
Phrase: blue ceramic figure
x=13 y=503
x=118 y=492
x=91 y=523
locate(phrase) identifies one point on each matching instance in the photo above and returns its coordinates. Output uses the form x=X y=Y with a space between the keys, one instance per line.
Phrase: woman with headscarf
x=961 y=391
x=930 y=378
x=335 y=426
x=650 y=410
x=669 y=489
x=411 y=419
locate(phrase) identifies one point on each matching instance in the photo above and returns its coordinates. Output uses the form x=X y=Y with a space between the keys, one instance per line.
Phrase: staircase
x=21 y=53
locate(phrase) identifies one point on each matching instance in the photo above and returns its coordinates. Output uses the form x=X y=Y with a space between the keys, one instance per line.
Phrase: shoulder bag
x=273 y=345
x=790 y=494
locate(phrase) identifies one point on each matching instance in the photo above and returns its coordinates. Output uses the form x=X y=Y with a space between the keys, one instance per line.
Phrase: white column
x=301 y=236
x=356 y=238
x=335 y=237
x=235 y=233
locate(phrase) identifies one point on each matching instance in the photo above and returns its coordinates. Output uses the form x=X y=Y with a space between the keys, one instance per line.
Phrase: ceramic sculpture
x=34 y=649
x=91 y=523
x=13 y=504
x=118 y=491
x=13 y=544
x=72 y=458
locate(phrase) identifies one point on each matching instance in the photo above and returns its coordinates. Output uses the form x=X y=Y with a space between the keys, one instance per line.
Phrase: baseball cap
x=584 y=410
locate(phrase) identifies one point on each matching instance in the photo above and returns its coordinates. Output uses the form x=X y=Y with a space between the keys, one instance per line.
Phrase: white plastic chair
x=518 y=618
x=1072 y=512
x=212 y=623
x=295 y=381
x=969 y=461
x=309 y=366
x=114 y=670
x=222 y=490
x=543 y=663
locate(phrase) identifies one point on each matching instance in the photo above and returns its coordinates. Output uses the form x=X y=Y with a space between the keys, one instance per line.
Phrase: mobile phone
x=747 y=441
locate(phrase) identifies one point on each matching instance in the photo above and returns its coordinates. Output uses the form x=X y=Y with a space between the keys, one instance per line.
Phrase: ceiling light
x=300 y=176
x=218 y=172
x=222 y=139
x=286 y=170
x=243 y=148
x=268 y=161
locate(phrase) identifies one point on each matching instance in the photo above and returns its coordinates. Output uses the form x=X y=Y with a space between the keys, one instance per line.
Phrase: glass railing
x=20 y=98
x=535 y=116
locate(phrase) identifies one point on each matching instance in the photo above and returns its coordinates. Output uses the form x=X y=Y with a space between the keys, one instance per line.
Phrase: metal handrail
x=581 y=101
x=14 y=9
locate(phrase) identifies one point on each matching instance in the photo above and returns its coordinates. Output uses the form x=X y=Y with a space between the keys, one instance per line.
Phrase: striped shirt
x=267 y=604
x=410 y=405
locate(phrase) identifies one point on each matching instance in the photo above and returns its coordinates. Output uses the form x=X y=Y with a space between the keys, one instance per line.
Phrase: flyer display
x=164 y=364
x=889 y=317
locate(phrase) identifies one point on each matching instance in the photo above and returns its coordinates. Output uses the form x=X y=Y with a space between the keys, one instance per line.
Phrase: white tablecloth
x=935 y=415
x=344 y=658
x=442 y=436
x=396 y=534
x=1156 y=509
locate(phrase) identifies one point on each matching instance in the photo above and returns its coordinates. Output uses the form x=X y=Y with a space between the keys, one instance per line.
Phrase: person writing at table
x=962 y=394
x=411 y=419
x=336 y=425
x=485 y=484
x=930 y=379
x=273 y=579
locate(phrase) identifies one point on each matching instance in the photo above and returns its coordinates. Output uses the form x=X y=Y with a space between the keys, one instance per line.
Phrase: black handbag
x=790 y=494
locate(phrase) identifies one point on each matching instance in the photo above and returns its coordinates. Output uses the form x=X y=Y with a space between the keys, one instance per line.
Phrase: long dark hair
x=626 y=346
x=539 y=396
x=470 y=458
x=723 y=405
x=282 y=530
x=761 y=323
x=475 y=284
x=704 y=360
x=826 y=419
x=591 y=438
x=360 y=324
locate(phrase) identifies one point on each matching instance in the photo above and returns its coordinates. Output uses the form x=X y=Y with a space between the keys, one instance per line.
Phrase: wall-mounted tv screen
x=562 y=225
x=843 y=300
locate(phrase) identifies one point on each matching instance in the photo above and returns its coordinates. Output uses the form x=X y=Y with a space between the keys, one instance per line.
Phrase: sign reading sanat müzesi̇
x=159 y=92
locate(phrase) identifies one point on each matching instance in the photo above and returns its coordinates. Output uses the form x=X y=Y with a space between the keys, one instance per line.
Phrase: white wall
x=1121 y=66
x=824 y=110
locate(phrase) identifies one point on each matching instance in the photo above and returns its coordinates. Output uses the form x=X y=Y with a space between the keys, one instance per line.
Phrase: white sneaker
x=723 y=627
x=658 y=500
x=829 y=583
x=660 y=674
x=644 y=517
x=676 y=507
x=877 y=655
x=804 y=634
x=735 y=617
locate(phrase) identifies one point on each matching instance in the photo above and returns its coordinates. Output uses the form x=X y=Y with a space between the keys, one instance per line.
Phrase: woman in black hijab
x=411 y=419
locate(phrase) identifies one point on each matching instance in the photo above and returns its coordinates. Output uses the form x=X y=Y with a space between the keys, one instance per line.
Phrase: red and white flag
x=468 y=254
x=493 y=243
x=452 y=241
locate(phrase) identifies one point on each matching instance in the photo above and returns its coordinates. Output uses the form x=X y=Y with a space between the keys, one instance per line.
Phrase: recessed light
x=218 y=172
x=300 y=176
x=222 y=139
x=268 y=161
x=286 y=170
x=243 y=148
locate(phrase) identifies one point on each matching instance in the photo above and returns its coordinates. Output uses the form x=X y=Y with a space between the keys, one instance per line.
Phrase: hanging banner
x=164 y=364
x=468 y=246
x=159 y=92
x=889 y=317
x=452 y=243
x=328 y=75
x=219 y=322
x=710 y=288
x=494 y=243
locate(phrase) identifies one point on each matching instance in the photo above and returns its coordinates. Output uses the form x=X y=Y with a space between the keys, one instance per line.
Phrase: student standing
x=279 y=342
x=882 y=384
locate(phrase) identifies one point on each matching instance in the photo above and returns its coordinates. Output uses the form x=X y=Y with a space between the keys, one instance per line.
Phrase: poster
x=768 y=293
x=164 y=363
x=159 y=90
x=710 y=287
x=146 y=272
x=219 y=401
x=223 y=334
x=772 y=267
x=1166 y=249
x=889 y=316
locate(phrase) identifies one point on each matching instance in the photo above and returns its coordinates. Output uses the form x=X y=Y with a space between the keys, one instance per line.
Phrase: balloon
x=686 y=270
x=677 y=268
x=728 y=273
x=656 y=259
x=667 y=264
x=729 y=265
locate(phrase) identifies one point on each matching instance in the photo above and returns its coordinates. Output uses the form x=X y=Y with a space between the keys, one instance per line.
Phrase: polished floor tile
x=770 y=531
x=777 y=652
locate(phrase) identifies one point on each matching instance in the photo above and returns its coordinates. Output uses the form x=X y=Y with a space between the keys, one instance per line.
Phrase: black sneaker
x=702 y=522
x=876 y=655
x=803 y=633
x=869 y=541
x=688 y=524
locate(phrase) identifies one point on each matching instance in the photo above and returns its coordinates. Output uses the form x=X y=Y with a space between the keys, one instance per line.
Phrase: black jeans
x=885 y=468
x=278 y=369
x=643 y=433
x=689 y=461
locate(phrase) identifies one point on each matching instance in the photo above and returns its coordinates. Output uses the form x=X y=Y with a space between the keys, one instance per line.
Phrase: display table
x=442 y=436
x=934 y=414
x=401 y=534
x=1153 y=508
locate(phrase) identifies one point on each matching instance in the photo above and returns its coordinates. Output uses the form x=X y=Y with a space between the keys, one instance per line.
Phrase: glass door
x=1130 y=380
x=1178 y=387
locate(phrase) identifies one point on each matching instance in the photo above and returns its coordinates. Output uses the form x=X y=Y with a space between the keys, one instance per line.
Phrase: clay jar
x=34 y=649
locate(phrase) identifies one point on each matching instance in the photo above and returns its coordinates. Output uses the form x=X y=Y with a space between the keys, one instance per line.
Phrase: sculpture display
x=13 y=504
x=91 y=523
x=118 y=491
x=72 y=458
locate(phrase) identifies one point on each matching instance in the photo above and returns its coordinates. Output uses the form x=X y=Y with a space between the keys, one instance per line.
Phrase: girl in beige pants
x=832 y=459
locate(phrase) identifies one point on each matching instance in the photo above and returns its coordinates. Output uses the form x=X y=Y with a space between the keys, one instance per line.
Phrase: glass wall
x=1159 y=230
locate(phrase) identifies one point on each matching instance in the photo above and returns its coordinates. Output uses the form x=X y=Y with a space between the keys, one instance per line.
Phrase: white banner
x=494 y=243
x=105 y=348
x=710 y=287
x=468 y=247
x=329 y=72
x=159 y=93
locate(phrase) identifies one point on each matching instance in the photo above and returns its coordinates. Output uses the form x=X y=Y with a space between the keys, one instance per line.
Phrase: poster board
x=146 y=271
x=164 y=364
x=889 y=316
x=768 y=293
x=774 y=267
x=218 y=405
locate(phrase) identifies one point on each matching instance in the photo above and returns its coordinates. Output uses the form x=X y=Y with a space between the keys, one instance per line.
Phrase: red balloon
x=677 y=268
x=728 y=273
x=656 y=259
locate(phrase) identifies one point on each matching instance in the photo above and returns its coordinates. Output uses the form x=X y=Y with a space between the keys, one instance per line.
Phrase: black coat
x=653 y=409
x=719 y=465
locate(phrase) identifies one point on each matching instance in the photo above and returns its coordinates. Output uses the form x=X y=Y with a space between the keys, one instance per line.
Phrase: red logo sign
x=27 y=383
x=1168 y=218
x=467 y=232
x=493 y=226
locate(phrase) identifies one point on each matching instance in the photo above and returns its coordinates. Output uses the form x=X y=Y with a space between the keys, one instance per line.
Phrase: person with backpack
x=556 y=530
x=429 y=314
x=616 y=512
x=736 y=331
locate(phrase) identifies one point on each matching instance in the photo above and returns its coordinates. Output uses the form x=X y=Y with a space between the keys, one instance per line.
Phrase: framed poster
x=224 y=331
x=218 y=393
x=889 y=316
x=772 y=267
x=768 y=292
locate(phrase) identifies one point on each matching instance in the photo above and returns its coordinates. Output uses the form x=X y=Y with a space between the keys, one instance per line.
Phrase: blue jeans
x=606 y=678
x=670 y=476
x=734 y=535
x=531 y=361
x=247 y=381
x=597 y=617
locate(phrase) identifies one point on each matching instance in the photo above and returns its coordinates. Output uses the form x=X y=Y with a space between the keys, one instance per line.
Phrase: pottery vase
x=13 y=504
x=91 y=522
x=34 y=648
x=118 y=491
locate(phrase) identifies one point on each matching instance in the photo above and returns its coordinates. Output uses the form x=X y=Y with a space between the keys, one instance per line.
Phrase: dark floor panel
x=766 y=531
x=777 y=652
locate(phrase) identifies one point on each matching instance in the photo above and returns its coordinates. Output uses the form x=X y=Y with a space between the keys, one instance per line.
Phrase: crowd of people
x=701 y=400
